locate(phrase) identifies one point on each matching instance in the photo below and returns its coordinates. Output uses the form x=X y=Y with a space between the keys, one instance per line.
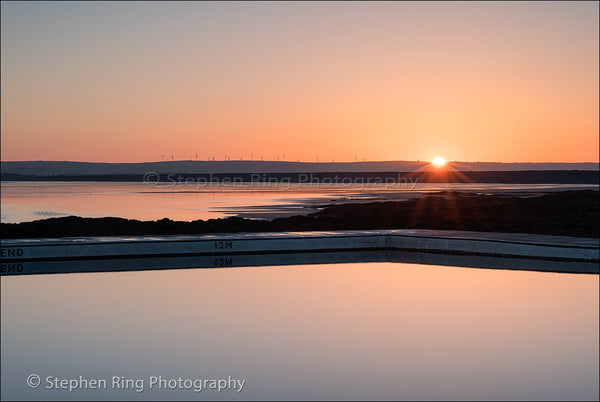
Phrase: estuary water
x=28 y=201
x=339 y=331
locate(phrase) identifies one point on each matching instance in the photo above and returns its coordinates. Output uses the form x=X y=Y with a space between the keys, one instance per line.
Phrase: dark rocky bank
x=567 y=213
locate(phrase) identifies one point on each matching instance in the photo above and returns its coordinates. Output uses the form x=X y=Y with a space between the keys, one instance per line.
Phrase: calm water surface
x=27 y=201
x=339 y=331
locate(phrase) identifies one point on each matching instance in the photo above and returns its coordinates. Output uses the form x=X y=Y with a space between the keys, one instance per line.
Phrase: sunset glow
x=438 y=161
x=343 y=81
x=330 y=200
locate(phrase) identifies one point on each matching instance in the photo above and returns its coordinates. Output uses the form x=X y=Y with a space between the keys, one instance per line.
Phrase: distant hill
x=54 y=168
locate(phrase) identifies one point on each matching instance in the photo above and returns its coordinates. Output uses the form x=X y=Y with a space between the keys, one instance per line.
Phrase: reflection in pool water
x=338 y=331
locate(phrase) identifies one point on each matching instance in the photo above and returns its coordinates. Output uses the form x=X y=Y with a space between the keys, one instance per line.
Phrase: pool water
x=376 y=330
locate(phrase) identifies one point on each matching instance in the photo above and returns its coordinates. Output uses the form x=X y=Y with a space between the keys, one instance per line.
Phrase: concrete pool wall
x=29 y=256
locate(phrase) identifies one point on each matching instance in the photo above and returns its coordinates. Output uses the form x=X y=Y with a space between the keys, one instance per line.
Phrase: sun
x=438 y=161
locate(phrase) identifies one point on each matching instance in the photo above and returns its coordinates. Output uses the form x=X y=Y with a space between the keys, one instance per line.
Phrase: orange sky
x=129 y=82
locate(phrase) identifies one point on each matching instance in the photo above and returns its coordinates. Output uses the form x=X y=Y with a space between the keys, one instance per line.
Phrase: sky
x=341 y=81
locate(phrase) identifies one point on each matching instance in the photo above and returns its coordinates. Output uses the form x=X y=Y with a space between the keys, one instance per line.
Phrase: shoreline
x=409 y=177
